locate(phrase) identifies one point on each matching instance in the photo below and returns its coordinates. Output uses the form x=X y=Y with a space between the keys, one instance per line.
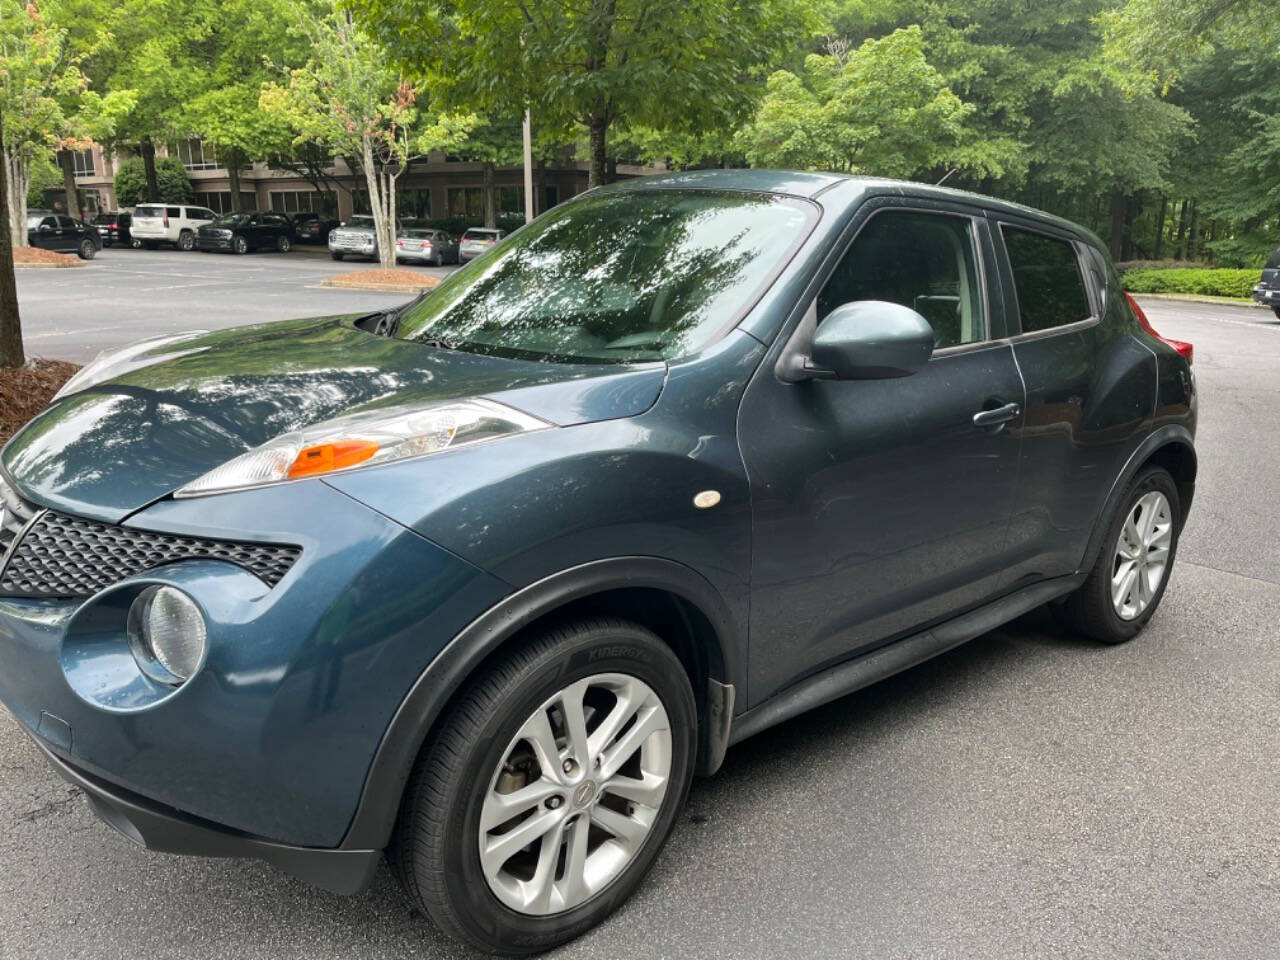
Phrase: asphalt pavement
x=1029 y=795
x=124 y=295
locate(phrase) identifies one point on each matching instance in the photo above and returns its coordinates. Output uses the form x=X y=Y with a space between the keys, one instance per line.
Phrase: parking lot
x=124 y=294
x=1028 y=795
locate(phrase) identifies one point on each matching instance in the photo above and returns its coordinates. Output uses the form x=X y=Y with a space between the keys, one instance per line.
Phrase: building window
x=195 y=154
x=304 y=201
x=82 y=163
x=91 y=202
x=550 y=197
x=415 y=203
x=511 y=200
x=220 y=201
x=466 y=201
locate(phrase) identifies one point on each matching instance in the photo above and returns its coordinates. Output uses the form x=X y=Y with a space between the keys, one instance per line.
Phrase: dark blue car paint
x=412 y=572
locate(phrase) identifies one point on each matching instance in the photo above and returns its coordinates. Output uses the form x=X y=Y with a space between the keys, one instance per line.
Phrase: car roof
x=811 y=185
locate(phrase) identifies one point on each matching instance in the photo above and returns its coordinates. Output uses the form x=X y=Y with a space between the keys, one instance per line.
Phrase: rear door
x=880 y=506
x=1090 y=386
x=68 y=234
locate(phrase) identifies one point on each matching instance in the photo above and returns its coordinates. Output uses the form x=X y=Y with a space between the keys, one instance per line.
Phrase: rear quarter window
x=1047 y=279
x=175 y=211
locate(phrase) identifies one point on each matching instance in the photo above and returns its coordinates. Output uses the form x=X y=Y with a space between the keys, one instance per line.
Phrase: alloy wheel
x=575 y=794
x=1142 y=555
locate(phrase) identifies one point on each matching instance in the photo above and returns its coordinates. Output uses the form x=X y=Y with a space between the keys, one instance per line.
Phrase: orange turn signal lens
x=324 y=457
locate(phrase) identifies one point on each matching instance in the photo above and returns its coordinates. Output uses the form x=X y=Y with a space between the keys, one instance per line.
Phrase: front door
x=879 y=506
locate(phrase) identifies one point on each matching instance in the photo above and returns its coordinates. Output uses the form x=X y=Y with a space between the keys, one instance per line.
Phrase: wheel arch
x=671 y=599
x=1172 y=447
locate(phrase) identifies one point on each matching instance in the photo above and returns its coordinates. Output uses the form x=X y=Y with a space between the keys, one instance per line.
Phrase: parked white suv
x=157 y=223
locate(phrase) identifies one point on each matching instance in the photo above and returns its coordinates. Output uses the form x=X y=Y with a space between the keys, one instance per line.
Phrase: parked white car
x=157 y=223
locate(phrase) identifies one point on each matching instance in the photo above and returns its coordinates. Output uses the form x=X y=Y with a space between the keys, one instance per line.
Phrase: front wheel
x=543 y=799
x=240 y=245
x=1128 y=580
x=87 y=250
x=283 y=245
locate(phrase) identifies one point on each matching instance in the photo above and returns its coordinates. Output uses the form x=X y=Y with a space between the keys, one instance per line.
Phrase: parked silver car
x=354 y=238
x=421 y=245
x=477 y=240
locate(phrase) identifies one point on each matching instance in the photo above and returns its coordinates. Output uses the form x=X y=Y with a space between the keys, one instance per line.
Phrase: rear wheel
x=240 y=245
x=335 y=255
x=283 y=244
x=186 y=240
x=540 y=803
x=1127 y=582
x=87 y=249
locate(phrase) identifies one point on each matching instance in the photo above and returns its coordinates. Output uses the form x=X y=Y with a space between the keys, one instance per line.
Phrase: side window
x=1047 y=278
x=925 y=261
x=66 y=223
x=50 y=222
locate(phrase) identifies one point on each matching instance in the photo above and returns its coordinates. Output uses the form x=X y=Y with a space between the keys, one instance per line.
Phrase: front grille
x=66 y=557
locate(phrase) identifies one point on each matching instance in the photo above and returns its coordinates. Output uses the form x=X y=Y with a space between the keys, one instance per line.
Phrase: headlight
x=365 y=439
x=167 y=634
x=114 y=363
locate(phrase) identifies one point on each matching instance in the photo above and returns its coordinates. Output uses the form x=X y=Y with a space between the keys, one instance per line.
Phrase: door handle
x=991 y=418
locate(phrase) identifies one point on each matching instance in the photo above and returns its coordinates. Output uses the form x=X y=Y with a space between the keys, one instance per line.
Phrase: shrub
x=1204 y=281
x=171 y=178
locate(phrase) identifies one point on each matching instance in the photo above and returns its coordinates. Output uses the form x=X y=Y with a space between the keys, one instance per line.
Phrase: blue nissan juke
x=482 y=582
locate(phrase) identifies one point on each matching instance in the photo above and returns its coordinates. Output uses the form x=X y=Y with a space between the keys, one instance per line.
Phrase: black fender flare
x=1167 y=435
x=402 y=741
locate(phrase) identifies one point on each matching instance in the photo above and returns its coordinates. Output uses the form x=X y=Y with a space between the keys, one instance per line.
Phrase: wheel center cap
x=584 y=794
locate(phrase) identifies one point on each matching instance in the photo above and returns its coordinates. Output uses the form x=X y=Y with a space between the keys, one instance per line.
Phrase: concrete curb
x=50 y=266
x=378 y=287
x=1201 y=298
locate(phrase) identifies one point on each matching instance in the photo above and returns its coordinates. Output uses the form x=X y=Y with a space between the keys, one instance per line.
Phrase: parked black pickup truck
x=1268 y=289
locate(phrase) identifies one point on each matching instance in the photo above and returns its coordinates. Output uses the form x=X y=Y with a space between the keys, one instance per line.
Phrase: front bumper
x=352 y=247
x=213 y=243
x=167 y=830
x=274 y=734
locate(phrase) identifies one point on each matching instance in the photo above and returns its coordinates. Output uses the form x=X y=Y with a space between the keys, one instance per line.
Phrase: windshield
x=615 y=278
x=360 y=223
x=232 y=219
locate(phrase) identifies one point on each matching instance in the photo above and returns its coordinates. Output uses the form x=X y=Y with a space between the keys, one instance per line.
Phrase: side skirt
x=845 y=678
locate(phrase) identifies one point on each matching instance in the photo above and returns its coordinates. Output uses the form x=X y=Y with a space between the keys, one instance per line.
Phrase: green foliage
x=171 y=175
x=880 y=109
x=1202 y=281
x=44 y=175
x=1164 y=35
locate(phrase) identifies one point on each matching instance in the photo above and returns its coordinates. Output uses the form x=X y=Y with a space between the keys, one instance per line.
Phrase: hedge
x=1204 y=281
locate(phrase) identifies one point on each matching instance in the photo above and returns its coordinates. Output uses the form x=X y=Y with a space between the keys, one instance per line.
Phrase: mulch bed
x=25 y=391
x=397 y=281
x=31 y=257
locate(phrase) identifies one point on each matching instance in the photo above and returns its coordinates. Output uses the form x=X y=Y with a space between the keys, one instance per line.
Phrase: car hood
x=186 y=407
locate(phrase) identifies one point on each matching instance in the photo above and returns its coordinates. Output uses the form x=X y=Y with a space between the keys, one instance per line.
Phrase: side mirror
x=45 y=228
x=871 y=340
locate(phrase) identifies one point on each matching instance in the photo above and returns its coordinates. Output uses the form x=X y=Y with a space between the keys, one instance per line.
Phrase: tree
x=1164 y=34
x=350 y=99
x=172 y=185
x=666 y=64
x=11 y=353
x=880 y=108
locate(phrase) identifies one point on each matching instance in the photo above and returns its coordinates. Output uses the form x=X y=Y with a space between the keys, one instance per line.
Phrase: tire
x=135 y=244
x=336 y=256
x=435 y=850
x=186 y=241
x=88 y=250
x=1276 y=310
x=239 y=245
x=1092 y=608
x=283 y=244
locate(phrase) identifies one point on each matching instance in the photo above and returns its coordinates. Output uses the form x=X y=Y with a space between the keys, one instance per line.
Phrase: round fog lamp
x=167 y=634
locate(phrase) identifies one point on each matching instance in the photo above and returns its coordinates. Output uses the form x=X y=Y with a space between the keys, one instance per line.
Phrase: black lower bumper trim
x=170 y=831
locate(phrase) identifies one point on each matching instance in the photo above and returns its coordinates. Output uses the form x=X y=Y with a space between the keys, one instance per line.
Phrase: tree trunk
x=490 y=196
x=16 y=194
x=1159 y=244
x=599 y=129
x=1180 y=244
x=1119 y=212
x=1193 y=232
x=382 y=206
x=233 y=176
x=66 y=163
x=11 y=354
x=149 y=169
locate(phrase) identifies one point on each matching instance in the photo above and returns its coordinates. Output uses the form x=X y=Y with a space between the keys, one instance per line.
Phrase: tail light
x=400 y=243
x=1184 y=348
x=424 y=245
x=166 y=219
